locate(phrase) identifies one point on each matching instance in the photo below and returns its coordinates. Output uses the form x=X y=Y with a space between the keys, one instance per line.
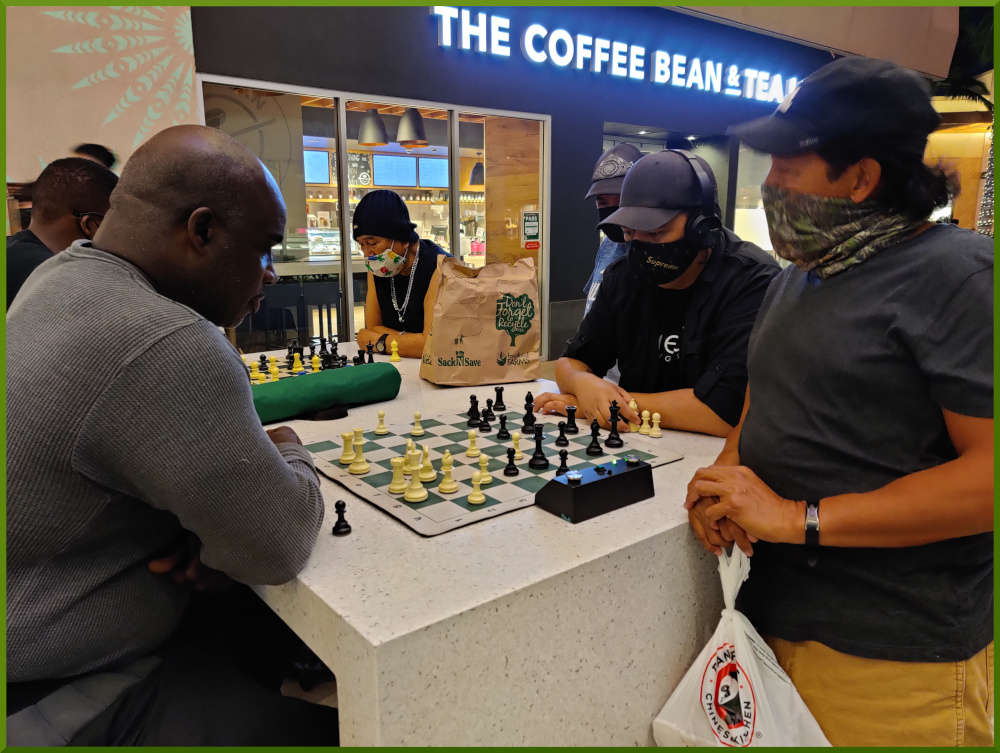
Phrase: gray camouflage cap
x=609 y=172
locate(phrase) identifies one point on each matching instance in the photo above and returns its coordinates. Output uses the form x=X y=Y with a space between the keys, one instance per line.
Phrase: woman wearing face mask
x=402 y=274
x=674 y=314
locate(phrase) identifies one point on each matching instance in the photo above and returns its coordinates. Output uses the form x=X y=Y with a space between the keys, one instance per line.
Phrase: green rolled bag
x=296 y=396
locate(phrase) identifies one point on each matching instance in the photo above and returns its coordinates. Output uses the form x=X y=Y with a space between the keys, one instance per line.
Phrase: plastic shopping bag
x=736 y=694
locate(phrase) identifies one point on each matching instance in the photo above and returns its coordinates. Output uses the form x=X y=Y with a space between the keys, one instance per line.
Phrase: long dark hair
x=907 y=186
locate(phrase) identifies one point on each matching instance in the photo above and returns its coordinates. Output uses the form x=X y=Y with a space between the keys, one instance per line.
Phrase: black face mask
x=614 y=232
x=658 y=263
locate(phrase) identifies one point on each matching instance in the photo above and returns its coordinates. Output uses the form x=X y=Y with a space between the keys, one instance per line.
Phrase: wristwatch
x=812 y=522
x=380 y=344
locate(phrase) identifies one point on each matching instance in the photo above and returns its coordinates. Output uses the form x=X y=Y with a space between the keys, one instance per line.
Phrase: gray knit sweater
x=129 y=417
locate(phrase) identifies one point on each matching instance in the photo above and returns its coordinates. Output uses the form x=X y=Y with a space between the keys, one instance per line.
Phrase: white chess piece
x=347 y=457
x=415 y=492
x=484 y=473
x=655 y=430
x=398 y=484
x=427 y=472
x=635 y=407
x=644 y=429
x=412 y=465
x=381 y=430
x=473 y=451
x=417 y=430
x=448 y=484
x=516 y=439
x=394 y=350
x=360 y=466
x=477 y=497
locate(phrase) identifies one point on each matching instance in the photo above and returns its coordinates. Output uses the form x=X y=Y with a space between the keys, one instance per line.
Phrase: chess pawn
x=644 y=429
x=473 y=451
x=415 y=492
x=380 y=430
x=635 y=407
x=347 y=457
x=477 y=497
x=448 y=484
x=394 y=349
x=654 y=431
x=484 y=473
x=315 y=363
x=273 y=370
x=297 y=366
x=515 y=438
x=412 y=465
x=398 y=484
x=255 y=376
x=360 y=466
x=417 y=430
x=427 y=472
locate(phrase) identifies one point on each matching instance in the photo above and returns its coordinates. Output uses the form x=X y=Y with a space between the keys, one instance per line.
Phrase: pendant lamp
x=411 y=129
x=372 y=130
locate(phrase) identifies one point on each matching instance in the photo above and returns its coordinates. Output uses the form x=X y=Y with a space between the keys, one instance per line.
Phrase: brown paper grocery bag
x=486 y=327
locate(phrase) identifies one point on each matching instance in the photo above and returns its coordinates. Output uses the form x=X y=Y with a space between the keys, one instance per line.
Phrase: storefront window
x=472 y=189
x=749 y=222
x=295 y=138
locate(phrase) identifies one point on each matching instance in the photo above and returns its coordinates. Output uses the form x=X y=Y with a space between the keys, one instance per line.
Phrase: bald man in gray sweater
x=130 y=422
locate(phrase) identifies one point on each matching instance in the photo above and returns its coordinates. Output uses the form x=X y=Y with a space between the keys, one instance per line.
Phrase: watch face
x=380 y=345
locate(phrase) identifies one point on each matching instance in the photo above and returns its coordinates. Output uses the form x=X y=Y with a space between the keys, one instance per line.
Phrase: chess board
x=443 y=512
x=283 y=371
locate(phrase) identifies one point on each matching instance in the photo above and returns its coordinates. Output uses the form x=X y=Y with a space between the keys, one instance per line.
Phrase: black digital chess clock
x=583 y=494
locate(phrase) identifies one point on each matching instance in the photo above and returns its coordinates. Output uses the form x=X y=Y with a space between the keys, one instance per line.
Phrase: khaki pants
x=874 y=702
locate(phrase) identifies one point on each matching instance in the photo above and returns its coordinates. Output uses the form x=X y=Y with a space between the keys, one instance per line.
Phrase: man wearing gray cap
x=605 y=190
x=861 y=472
x=674 y=314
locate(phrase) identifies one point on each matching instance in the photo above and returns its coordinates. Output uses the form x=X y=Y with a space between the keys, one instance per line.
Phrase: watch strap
x=812 y=522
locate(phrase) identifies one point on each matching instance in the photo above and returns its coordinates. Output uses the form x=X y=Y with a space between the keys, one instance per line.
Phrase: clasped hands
x=729 y=504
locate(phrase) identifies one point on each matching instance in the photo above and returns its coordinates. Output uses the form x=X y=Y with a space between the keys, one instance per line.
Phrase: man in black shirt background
x=674 y=314
x=68 y=201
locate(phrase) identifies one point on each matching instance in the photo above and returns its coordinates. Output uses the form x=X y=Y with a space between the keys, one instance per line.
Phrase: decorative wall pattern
x=110 y=75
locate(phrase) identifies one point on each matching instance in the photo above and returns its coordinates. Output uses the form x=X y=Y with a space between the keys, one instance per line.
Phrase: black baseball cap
x=854 y=97
x=609 y=172
x=658 y=188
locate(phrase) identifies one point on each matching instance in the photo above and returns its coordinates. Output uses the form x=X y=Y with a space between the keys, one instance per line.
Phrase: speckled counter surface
x=520 y=630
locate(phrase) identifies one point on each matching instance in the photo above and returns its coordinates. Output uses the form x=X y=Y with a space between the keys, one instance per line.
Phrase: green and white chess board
x=443 y=512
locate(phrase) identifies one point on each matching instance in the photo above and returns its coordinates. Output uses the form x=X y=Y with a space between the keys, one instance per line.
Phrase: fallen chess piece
x=341 y=527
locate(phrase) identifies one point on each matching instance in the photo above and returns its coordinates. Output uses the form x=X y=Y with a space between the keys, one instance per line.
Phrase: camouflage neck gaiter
x=829 y=234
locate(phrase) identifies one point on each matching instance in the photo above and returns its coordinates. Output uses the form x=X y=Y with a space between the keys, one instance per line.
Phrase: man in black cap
x=674 y=314
x=871 y=392
x=402 y=274
x=605 y=190
x=68 y=201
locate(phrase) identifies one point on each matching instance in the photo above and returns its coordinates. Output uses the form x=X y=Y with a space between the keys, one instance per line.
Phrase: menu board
x=359 y=169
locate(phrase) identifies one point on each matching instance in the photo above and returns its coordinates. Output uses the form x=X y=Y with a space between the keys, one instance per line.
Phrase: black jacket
x=626 y=324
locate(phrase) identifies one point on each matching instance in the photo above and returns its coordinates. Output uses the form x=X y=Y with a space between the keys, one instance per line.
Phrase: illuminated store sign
x=490 y=34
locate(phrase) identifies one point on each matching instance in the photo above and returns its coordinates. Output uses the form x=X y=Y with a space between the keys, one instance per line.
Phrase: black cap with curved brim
x=658 y=188
x=609 y=172
x=853 y=97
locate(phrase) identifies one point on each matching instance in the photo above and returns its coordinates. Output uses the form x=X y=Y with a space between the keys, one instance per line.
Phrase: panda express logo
x=728 y=699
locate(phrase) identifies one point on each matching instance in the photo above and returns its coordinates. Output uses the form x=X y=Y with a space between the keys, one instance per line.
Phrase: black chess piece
x=474 y=417
x=343 y=361
x=333 y=348
x=538 y=460
x=594 y=448
x=498 y=403
x=503 y=434
x=322 y=347
x=290 y=357
x=370 y=352
x=325 y=360
x=358 y=359
x=561 y=440
x=528 y=426
x=484 y=425
x=341 y=527
x=563 y=454
x=488 y=414
x=511 y=469
x=312 y=350
x=263 y=363
x=614 y=438
x=529 y=399
x=571 y=427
